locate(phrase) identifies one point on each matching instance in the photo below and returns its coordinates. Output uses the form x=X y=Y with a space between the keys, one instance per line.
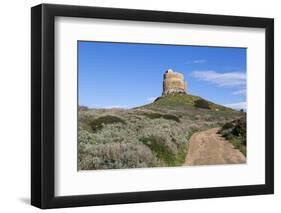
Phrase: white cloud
x=230 y=79
x=197 y=61
x=237 y=106
x=151 y=99
x=239 y=92
x=116 y=107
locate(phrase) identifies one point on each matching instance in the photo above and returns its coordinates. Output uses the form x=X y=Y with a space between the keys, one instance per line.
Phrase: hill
x=152 y=135
x=185 y=101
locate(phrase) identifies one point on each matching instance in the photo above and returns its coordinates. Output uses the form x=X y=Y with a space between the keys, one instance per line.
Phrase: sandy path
x=209 y=148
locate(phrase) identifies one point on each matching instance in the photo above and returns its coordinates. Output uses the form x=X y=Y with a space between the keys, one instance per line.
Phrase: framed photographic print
x=139 y=106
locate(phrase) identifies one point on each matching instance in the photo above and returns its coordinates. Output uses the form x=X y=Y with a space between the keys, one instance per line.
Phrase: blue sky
x=129 y=75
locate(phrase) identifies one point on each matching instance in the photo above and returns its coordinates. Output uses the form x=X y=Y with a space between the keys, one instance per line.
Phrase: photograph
x=143 y=105
x=140 y=105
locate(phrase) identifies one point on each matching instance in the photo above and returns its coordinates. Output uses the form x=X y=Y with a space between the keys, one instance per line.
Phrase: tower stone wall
x=173 y=83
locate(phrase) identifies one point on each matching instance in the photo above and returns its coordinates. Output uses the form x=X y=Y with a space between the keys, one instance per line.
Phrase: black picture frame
x=43 y=102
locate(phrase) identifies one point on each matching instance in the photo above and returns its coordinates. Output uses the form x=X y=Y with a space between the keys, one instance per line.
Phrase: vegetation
x=153 y=135
x=190 y=133
x=83 y=108
x=157 y=146
x=182 y=100
x=174 y=100
x=171 y=117
x=98 y=123
x=235 y=132
x=152 y=115
x=201 y=103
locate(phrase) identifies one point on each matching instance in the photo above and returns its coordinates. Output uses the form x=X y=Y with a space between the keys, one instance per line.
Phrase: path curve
x=209 y=148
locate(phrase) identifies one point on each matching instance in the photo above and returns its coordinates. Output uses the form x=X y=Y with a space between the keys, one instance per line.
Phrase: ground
x=209 y=148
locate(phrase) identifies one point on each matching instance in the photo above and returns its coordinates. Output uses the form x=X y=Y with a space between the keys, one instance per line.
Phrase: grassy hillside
x=185 y=101
x=148 y=136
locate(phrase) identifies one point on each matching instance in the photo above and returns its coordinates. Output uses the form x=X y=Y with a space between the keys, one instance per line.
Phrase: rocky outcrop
x=173 y=83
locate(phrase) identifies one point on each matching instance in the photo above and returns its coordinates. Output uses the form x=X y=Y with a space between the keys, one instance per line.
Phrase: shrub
x=98 y=123
x=240 y=129
x=171 y=117
x=85 y=137
x=228 y=136
x=191 y=132
x=115 y=156
x=180 y=157
x=235 y=132
x=145 y=137
x=157 y=145
x=227 y=126
x=236 y=142
x=83 y=108
x=201 y=103
x=153 y=115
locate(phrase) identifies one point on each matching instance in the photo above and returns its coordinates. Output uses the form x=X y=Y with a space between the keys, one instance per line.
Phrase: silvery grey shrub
x=120 y=144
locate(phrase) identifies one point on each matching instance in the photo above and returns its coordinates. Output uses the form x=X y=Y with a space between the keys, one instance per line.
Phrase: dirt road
x=209 y=148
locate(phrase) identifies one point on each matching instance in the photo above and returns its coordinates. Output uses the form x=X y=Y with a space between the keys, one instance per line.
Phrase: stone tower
x=173 y=83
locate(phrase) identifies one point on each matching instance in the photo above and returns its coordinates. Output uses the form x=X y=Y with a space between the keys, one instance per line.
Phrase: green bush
x=153 y=115
x=98 y=123
x=157 y=145
x=180 y=157
x=191 y=132
x=228 y=136
x=235 y=132
x=236 y=142
x=240 y=129
x=227 y=126
x=201 y=103
x=171 y=117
